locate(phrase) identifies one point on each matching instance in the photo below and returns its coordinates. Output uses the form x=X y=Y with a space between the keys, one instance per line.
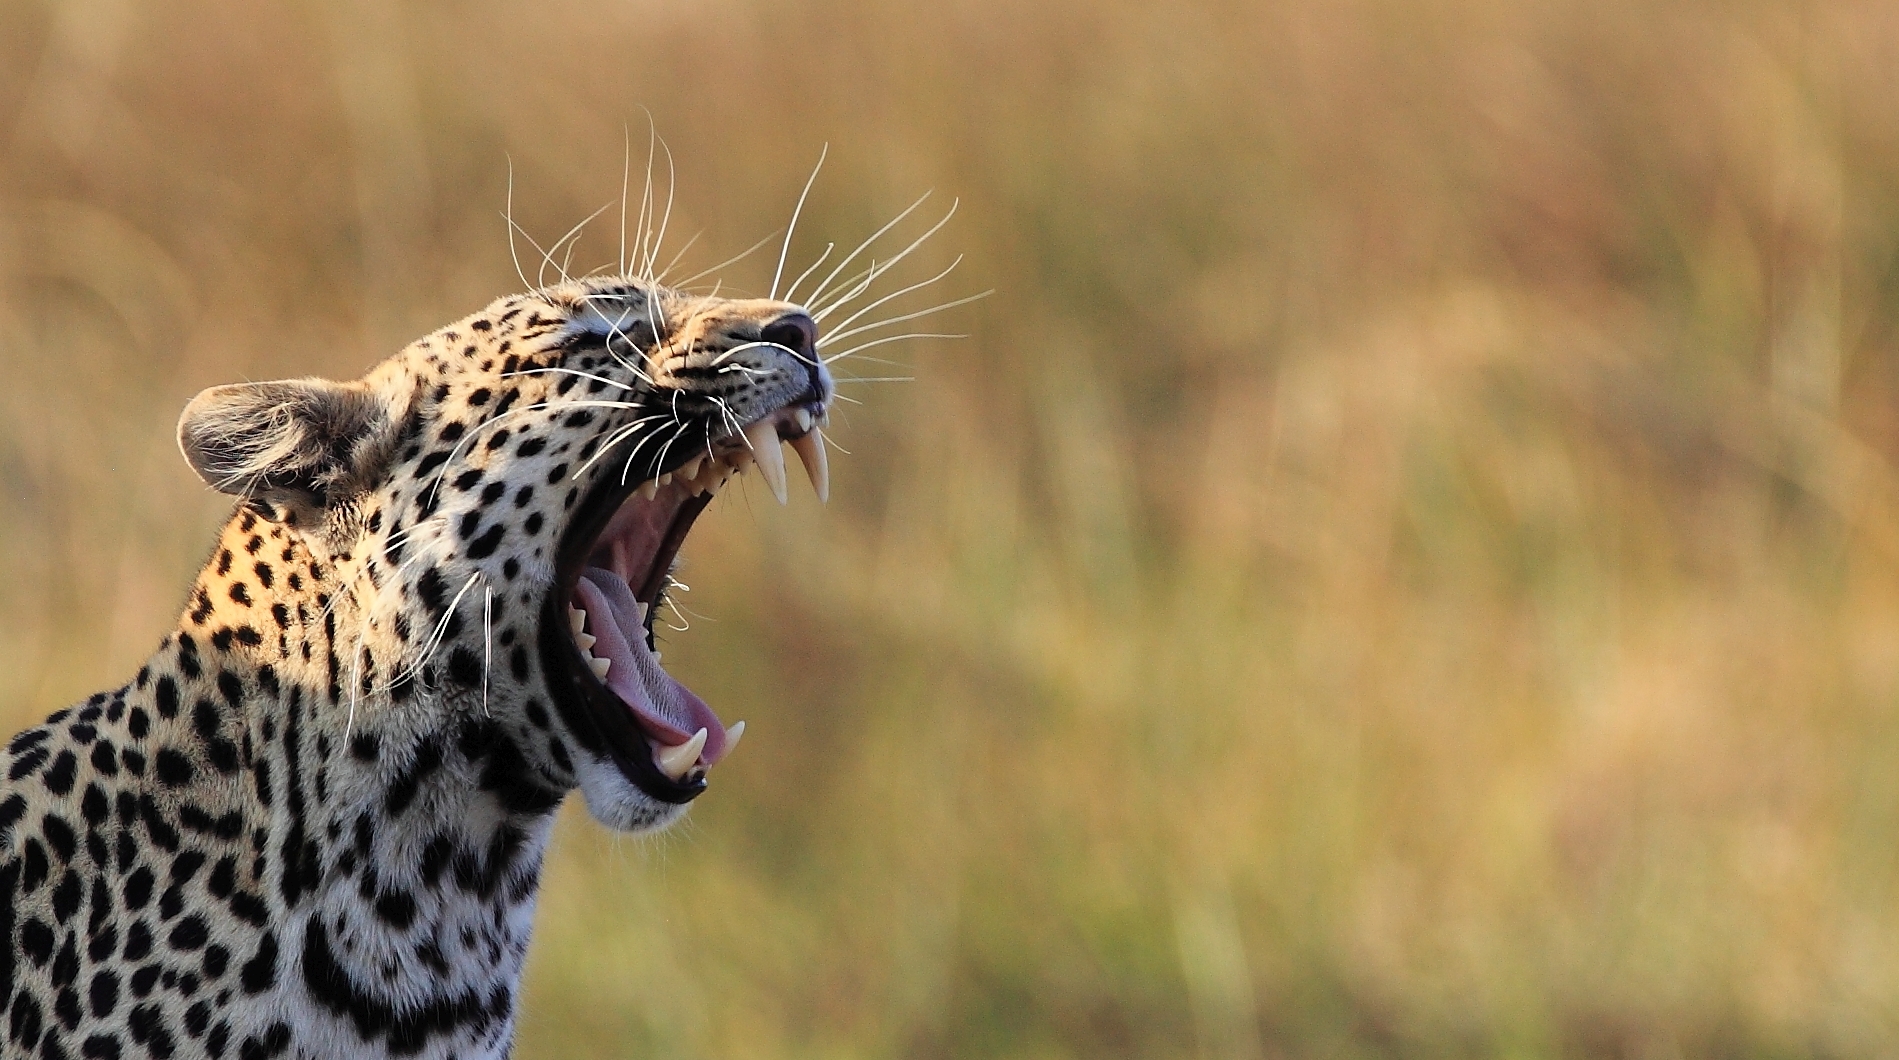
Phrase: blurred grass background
x=1404 y=566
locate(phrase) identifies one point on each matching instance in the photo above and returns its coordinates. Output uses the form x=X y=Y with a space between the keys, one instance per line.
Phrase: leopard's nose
x=798 y=333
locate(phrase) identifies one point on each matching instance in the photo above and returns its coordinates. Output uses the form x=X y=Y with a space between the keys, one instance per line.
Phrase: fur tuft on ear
x=294 y=441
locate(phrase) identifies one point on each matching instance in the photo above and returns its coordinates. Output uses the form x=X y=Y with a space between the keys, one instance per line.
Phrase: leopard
x=314 y=823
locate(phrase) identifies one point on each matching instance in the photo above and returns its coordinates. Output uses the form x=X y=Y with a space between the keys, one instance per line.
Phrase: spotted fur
x=313 y=824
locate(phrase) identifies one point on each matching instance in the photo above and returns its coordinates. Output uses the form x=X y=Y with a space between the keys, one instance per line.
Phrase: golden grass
x=1404 y=566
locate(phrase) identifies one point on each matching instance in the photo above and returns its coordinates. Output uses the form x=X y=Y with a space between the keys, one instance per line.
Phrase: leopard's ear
x=296 y=442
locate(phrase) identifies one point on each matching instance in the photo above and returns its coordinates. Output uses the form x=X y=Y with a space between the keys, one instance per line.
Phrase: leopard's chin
x=611 y=572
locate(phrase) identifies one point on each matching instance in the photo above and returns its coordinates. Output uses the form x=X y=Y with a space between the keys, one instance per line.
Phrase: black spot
x=60 y=835
x=190 y=933
x=485 y=545
x=431 y=462
x=27 y=763
x=95 y=806
x=103 y=994
x=262 y=1047
x=174 y=769
x=397 y=909
x=105 y=759
x=36 y=941
x=59 y=779
x=260 y=972
x=428 y=758
x=66 y=897
x=432 y=590
x=464 y=668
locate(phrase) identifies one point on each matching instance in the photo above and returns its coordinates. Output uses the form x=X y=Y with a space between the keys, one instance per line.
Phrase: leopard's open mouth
x=611 y=574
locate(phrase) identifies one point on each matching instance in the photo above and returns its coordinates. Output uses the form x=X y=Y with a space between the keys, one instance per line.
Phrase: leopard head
x=491 y=516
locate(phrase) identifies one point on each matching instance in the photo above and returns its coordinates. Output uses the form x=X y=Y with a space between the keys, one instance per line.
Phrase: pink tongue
x=666 y=709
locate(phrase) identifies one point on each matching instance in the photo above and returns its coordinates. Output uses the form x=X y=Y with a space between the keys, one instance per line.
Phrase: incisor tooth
x=690 y=473
x=649 y=489
x=576 y=618
x=803 y=416
x=666 y=479
x=771 y=459
x=732 y=735
x=586 y=641
x=600 y=667
x=676 y=761
x=810 y=450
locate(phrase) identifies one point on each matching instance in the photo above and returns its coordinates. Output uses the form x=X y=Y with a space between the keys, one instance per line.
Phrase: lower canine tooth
x=732 y=735
x=600 y=667
x=675 y=762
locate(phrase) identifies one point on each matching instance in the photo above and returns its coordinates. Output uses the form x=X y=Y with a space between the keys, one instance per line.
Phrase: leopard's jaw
x=317 y=816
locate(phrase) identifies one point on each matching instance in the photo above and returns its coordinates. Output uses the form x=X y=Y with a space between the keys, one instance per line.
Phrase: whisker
x=735 y=259
x=661 y=278
x=547 y=256
x=487 y=642
x=854 y=317
x=861 y=328
x=792 y=229
x=818 y=294
x=626 y=177
x=886 y=266
x=646 y=195
x=890 y=338
x=828 y=247
x=672 y=186
x=508 y=212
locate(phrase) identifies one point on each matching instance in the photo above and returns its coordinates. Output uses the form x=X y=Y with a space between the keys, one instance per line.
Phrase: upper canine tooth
x=600 y=667
x=576 y=618
x=676 y=761
x=817 y=467
x=771 y=460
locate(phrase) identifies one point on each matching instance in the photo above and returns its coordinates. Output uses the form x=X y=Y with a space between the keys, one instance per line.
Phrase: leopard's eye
x=637 y=336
